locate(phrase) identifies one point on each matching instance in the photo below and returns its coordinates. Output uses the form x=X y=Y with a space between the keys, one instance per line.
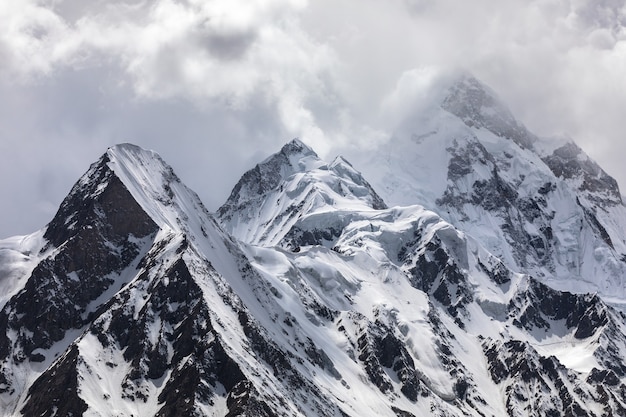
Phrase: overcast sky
x=216 y=85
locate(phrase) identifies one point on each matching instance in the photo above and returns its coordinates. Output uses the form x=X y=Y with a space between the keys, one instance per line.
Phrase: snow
x=357 y=271
x=574 y=354
x=103 y=373
x=334 y=294
x=307 y=185
x=19 y=255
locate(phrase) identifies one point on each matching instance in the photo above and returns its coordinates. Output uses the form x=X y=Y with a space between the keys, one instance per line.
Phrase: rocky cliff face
x=479 y=107
x=98 y=234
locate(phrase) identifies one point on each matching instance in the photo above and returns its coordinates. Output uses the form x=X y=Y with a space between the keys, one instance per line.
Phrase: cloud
x=216 y=85
x=227 y=51
x=558 y=64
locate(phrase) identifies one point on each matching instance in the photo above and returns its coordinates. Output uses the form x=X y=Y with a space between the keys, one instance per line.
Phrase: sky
x=215 y=86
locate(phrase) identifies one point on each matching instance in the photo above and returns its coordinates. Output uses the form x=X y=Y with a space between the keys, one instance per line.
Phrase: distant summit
x=542 y=206
x=478 y=106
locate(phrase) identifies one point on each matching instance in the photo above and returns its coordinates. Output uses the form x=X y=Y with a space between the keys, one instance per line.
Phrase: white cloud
x=195 y=50
x=240 y=77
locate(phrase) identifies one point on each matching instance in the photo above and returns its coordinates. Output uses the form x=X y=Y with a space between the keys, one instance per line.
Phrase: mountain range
x=470 y=268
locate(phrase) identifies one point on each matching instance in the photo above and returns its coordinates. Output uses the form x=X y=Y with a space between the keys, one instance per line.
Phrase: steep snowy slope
x=98 y=234
x=478 y=309
x=542 y=206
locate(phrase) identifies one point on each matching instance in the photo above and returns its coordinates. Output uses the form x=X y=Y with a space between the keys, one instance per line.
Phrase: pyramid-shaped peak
x=472 y=100
x=122 y=151
x=289 y=185
x=468 y=83
x=129 y=160
x=127 y=147
x=296 y=146
x=294 y=157
x=128 y=175
x=102 y=193
x=477 y=105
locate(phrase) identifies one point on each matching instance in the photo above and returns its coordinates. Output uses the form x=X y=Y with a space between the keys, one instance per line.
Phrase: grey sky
x=216 y=85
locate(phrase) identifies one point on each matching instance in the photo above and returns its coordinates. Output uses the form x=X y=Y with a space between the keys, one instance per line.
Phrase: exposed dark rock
x=438 y=275
x=493 y=194
x=297 y=237
x=524 y=375
x=463 y=158
x=402 y=413
x=381 y=352
x=498 y=196
x=99 y=200
x=95 y=230
x=318 y=357
x=271 y=354
x=569 y=162
x=605 y=377
x=540 y=304
x=55 y=392
x=242 y=401
x=498 y=273
x=595 y=224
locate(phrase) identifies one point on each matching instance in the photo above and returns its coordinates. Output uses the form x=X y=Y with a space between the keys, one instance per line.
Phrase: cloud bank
x=216 y=85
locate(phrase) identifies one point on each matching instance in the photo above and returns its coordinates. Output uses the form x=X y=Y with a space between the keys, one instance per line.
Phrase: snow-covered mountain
x=307 y=294
x=288 y=185
x=437 y=299
x=541 y=205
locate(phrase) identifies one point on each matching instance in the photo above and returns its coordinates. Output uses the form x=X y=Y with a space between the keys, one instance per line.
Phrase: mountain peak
x=296 y=146
x=478 y=106
x=293 y=157
x=570 y=162
x=128 y=176
x=100 y=193
x=288 y=185
x=127 y=147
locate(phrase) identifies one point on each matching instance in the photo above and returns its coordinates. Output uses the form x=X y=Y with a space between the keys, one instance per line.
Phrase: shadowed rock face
x=93 y=236
x=99 y=200
x=570 y=162
x=532 y=374
x=54 y=393
x=198 y=363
